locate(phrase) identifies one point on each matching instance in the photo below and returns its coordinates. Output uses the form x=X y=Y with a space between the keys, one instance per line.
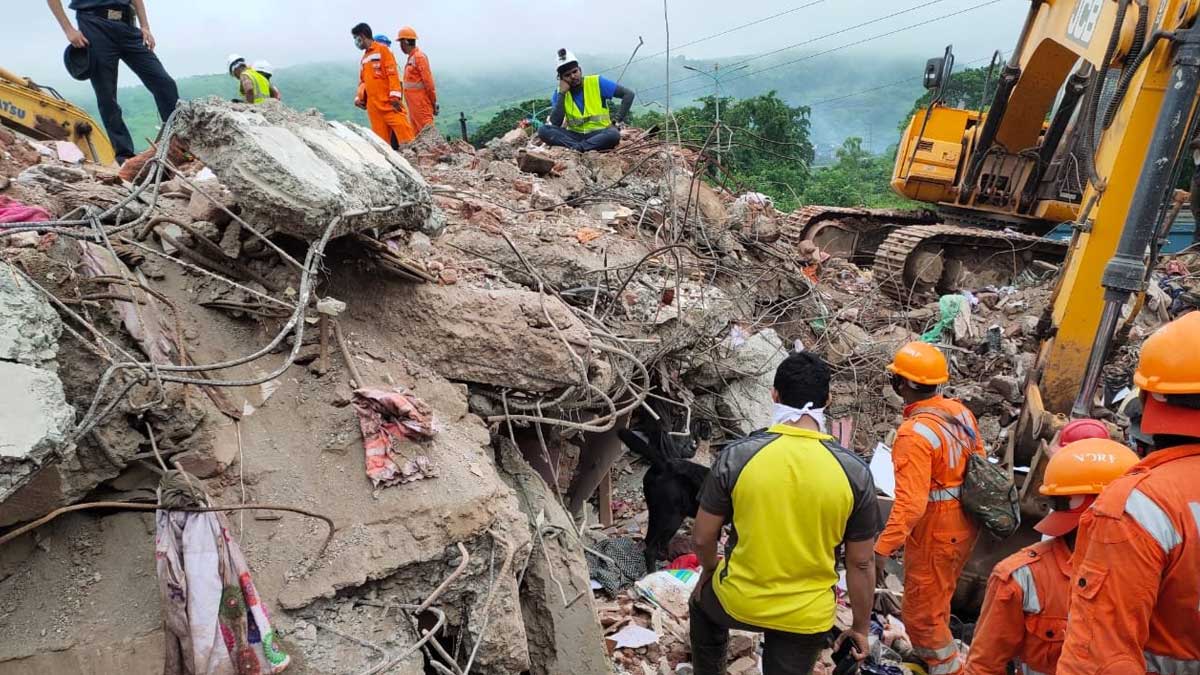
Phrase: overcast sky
x=194 y=36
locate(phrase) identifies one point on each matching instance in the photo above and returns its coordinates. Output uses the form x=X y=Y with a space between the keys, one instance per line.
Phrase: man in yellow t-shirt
x=792 y=496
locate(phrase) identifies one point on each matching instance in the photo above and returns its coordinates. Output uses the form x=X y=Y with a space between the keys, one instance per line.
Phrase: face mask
x=783 y=414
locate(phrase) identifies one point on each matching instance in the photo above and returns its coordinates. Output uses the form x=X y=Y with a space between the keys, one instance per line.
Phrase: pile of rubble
x=273 y=297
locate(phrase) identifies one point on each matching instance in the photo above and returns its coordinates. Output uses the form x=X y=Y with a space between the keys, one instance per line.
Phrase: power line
x=848 y=45
x=661 y=53
x=880 y=87
x=809 y=41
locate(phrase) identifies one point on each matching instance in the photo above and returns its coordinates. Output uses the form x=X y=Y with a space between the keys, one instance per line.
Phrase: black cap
x=78 y=62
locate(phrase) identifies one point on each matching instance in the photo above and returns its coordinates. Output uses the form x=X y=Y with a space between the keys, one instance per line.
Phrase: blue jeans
x=601 y=139
x=111 y=42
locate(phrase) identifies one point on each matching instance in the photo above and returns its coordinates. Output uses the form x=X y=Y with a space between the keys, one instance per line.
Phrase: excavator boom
x=40 y=113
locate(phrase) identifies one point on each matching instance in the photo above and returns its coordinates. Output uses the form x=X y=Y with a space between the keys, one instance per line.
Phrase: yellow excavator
x=1093 y=116
x=42 y=114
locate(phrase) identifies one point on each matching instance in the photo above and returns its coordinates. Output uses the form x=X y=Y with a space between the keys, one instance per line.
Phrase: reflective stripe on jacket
x=379 y=79
x=1024 y=614
x=594 y=116
x=930 y=457
x=1135 y=594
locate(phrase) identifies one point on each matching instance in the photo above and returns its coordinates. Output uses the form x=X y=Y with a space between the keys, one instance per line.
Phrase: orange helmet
x=1170 y=361
x=921 y=363
x=407 y=33
x=1085 y=467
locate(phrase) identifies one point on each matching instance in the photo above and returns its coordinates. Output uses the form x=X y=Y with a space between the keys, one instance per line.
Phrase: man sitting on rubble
x=793 y=495
x=588 y=123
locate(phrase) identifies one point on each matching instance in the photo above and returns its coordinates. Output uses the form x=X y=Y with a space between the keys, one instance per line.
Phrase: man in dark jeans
x=108 y=29
x=793 y=496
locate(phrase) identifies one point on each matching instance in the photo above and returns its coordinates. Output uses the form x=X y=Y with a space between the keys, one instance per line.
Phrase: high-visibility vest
x=262 y=88
x=594 y=116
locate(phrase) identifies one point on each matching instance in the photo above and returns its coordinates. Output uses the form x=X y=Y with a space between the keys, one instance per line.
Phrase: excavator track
x=916 y=255
x=917 y=262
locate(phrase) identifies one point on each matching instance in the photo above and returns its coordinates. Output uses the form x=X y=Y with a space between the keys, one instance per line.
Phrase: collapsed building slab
x=498 y=337
x=29 y=326
x=34 y=421
x=34 y=414
x=556 y=602
x=295 y=172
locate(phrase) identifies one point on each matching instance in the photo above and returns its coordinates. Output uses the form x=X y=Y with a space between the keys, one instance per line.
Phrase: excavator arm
x=1090 y=121
x=40 y=113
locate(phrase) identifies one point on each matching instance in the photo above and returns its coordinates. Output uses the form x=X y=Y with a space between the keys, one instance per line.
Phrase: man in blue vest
x=580 y=117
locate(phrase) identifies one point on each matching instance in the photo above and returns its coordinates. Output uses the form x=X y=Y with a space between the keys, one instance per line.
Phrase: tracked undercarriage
x=917 y=256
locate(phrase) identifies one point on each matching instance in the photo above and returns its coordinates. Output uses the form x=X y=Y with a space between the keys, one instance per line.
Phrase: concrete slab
x=294 y=172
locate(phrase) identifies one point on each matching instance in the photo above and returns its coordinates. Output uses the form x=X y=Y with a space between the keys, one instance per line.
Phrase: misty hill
x=329 y=87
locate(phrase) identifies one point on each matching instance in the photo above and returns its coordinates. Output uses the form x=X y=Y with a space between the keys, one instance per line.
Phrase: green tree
x=506 y=120
x=859 y=178
x=764 y=145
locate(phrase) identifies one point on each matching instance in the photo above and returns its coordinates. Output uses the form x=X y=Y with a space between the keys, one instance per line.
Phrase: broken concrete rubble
x=501 y=337
x=297 y=172
x=560 y=616
x=36 y=418
x=29 y=326
x=550 y=291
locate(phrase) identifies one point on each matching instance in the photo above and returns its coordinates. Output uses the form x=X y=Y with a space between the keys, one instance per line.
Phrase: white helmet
x=235 y=60
x=264 y=66
x=564 y=59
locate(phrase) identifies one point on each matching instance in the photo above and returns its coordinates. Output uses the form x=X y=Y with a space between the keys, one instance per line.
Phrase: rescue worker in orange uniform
x=927 y=520
x=1135 y=594
x=1024 y=616
x=379 y=89
x=420 y=92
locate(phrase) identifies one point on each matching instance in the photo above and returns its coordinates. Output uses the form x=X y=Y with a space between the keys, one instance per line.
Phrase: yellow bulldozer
x=1093 y=117
x=42 y=114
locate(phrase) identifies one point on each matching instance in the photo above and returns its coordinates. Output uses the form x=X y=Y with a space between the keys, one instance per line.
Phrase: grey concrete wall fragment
x=294 y=172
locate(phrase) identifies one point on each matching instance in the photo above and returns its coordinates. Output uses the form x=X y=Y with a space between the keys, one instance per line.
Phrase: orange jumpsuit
x=419 y=90
x=1024 y=612
x=930 y=455
x=1135 y=597
x=379 y=86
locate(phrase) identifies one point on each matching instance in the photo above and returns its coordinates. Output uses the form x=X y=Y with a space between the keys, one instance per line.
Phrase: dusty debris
x=36 y=417
x=499 y=337
x=29 y=326
x=297 y=172
x=564 y=293
x=534 y=161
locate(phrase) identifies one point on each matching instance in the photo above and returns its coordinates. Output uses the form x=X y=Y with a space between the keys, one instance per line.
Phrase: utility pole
x=716 y=78
x=462 y=122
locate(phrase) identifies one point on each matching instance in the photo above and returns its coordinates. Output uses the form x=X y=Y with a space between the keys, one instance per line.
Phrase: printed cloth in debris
x=628 y=563
x=391 y=421
x=13 y=211
x=215 y=622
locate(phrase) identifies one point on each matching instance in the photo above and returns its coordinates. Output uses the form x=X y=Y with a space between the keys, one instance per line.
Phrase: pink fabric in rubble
x=13 y=211
x=390 y=422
